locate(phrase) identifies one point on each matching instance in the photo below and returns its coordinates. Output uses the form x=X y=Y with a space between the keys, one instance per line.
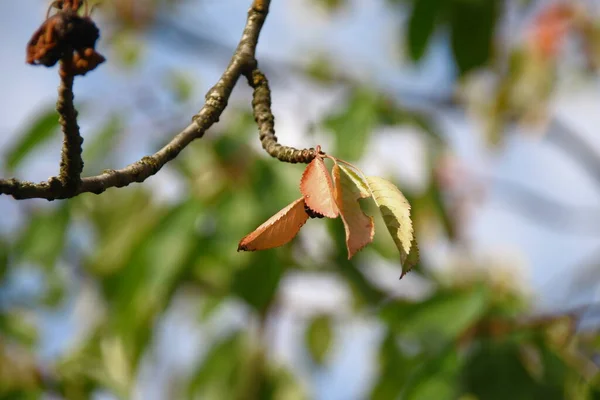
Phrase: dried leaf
x=317 y=189
x=395 y=211
x=277 y=230
x=359 y=227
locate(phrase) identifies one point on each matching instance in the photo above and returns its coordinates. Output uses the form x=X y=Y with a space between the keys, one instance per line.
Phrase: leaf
x=277 y=230
x=154 y=269
x=331 y=5
x=257 y=282
x=318 y=337
x=472 y=28
x=352 y=126
x=43 y=240
x=16 y=326
x=101 y=145
x=396 y=369
x=395 y=211
x=317 y=189
x=494 y=370
x=437 y=377
x=358 y=181
x=38 y=133
x=421 y=26
x=218 y=373
x=181 y=85
x=359 y=227
x=364 y=290
x=440 y=319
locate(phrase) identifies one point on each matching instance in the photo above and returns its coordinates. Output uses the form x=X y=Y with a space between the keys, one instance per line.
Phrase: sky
x=543 y=260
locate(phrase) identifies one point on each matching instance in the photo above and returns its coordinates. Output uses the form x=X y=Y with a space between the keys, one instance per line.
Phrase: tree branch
x=261 y=106
x=548 y=212
x=242 y=62
x=71 y=164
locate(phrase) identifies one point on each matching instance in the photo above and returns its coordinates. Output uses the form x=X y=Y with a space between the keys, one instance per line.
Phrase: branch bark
x=263 y=115
x=243 y=62
x=71 y=164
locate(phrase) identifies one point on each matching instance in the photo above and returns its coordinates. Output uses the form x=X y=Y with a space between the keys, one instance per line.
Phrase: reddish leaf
x=551 y=27
x=317 y=189
x=359 y=227
x=278 y=230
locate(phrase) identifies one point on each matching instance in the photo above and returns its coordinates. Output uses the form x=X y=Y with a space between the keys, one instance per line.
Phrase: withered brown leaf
x=277 y=230
x=359 y=227
x=317 y=189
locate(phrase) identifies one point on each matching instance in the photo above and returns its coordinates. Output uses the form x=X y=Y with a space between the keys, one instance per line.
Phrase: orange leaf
x=317 y=189
x=551 y=27
x=277 y=230
x=359 y=227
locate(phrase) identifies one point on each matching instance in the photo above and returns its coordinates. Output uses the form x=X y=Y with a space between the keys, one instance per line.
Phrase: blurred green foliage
x=472 y=24
x=467 y=338
x=40 y=132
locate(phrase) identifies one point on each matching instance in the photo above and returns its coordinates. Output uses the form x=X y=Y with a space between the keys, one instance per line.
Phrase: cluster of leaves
x=323 y=198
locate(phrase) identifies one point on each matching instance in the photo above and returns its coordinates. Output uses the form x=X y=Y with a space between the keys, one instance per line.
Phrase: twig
x=71 y=164
x=242 y=62
x=261 y=106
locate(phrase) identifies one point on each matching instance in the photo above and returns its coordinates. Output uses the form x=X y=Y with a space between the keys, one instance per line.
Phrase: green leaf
x=439 y=319
x=365 y=291
x=472 y=28
x=353 y=126
x=98 y=148
x=396 y=369
x=286 y=385
x=257 y=283
x=319 y=337
x=421 y=26
x=436 y=378
x=181 y=85
x=129 y=49
x=495 y=371
x=36 y=134
x=155 y=268
x=122 y=220
x=55 y=289
x=217 y=376
x=16 y=326
x=43 y=240
x=320 y=69
x=331 y=5
x=358 y=181
x=395 y=211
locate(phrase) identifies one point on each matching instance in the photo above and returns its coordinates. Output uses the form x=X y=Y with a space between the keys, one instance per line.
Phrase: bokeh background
x=484 y=112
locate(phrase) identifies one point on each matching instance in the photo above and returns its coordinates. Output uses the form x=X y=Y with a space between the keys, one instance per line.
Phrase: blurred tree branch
x=548 y=212
x=566 y=140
